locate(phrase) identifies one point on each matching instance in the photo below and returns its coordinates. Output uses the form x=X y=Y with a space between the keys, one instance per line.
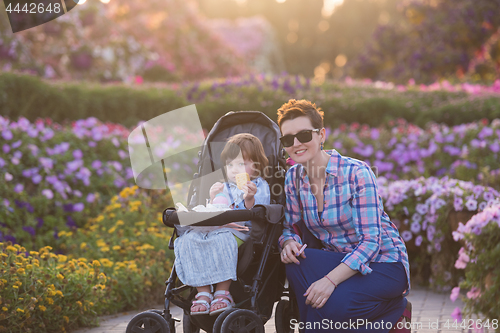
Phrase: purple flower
x=47 y=134
x=6 y=148
x=8 y=177
x=96 y=164
x=422 y=209
x=17 y=154
x=40 y=222
x=77 y=193
x=488 y=196
x=474 y=293
x=16 y=144
x=19 y=188
x=68 y=207
x=29 y=207
x=47 y=163
x=495 y=147
x=457 y=314
x=415 y=227
x=471 y=204
x=418 y=240
x=48 y=193
x=70 y=222
x=77 y=154
x=458 y=203
x=7 y=134
x=90 y=197
x=29 y=230
x=2 y=162
x=115 y=142
x=431 y=230
x=78 y=207
x=32 y=132
x=36 y=179
x=92 y=144
x=73 y=166
x=407 y=235
x=416 y=218
x=454 y=294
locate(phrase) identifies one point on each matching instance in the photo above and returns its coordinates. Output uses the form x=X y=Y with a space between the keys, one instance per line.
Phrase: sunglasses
x=303 y=136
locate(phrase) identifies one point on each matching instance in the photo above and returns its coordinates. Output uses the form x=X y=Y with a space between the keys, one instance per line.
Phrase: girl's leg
x=201 y=307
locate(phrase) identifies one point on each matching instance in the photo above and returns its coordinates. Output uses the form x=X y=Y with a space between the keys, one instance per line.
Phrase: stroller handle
x=272 y=213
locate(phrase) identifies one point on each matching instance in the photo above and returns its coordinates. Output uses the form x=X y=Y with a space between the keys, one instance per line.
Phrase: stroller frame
x=266 y=228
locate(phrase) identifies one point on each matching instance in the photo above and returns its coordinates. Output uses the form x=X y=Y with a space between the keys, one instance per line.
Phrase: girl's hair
x=250 y=148
x=294 y=109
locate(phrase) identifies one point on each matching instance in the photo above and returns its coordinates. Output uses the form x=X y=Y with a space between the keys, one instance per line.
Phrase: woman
x=357 y=281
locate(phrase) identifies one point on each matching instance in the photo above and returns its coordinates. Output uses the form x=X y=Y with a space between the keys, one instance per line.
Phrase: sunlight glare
x=329 y=6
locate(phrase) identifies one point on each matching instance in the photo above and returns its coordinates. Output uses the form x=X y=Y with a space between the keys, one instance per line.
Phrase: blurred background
x=177 y=40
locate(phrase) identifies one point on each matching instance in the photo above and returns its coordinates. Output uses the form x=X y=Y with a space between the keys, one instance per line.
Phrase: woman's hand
x=290 y=252
x=216 y=189
x=319 y=292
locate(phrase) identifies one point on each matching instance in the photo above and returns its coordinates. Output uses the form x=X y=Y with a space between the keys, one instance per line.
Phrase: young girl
x=204 y=258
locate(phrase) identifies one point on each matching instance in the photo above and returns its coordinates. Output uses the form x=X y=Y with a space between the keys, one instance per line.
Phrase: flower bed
x=425 y=212
x=404 y=151
x=54 y=177
x=122 y=268
x=479 y=259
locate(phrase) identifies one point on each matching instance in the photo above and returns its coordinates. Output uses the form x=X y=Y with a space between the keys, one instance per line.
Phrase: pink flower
x=457 y=314
x=462 y=260
x=474 y=293
x=454 y=294
x=290 y=162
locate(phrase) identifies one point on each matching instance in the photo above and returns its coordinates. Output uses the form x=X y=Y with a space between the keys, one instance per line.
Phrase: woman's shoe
x=201 y=302
x=403 y=325
x=224 y=297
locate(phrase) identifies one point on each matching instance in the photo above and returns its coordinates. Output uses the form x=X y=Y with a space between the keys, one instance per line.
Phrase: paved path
x=431 y=311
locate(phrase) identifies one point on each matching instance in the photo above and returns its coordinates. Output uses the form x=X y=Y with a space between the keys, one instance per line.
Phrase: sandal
x=201 y=302
x=225 y=298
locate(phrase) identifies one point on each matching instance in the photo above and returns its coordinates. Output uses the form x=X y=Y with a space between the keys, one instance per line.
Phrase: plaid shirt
x=353 y=219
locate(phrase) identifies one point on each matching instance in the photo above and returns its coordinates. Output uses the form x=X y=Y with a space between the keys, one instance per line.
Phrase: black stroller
x=261 y=275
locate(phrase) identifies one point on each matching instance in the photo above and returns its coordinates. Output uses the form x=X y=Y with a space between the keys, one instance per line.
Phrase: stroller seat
x=261 y=275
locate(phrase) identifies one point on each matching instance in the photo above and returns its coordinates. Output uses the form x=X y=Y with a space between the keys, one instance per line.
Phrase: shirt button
x=322 y=220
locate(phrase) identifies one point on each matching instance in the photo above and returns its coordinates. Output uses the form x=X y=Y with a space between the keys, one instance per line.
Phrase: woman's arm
x=292 y=213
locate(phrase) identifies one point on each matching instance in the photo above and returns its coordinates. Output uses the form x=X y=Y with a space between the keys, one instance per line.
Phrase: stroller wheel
x=283 y=316
x=220 y=319
x=242 y=321
x=148 y=322
x=188 y=326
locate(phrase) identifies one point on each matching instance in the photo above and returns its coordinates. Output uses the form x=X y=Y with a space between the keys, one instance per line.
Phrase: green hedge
x=31 y=97
x=22 y=95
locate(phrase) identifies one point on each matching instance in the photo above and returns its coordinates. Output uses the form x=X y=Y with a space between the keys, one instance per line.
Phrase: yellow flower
x=60 y=276
x=61 y=233
x=15 y=287
x=20 y=271
x=5 y=309
x=99 y=218
x=59 y=293
x=116 y=247
x=112 y=230
x=50 y=300
x=105 y=249
x=20 y=310
x=29 y=266
x=83 y=245
x=11 y=248
x=42 y=308
x=66 y=318
x=79 y=303
x=96 y=263
x=140 y=223
x=112 y=215
x=33 y=253
x=62 y=258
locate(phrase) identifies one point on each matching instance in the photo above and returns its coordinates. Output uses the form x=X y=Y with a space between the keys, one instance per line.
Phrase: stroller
x=261 y=275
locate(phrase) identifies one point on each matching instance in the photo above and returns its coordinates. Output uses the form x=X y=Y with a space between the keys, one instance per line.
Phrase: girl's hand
x=216 y=189
x=319 y=292
x=290 y=251
x=249 y=190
